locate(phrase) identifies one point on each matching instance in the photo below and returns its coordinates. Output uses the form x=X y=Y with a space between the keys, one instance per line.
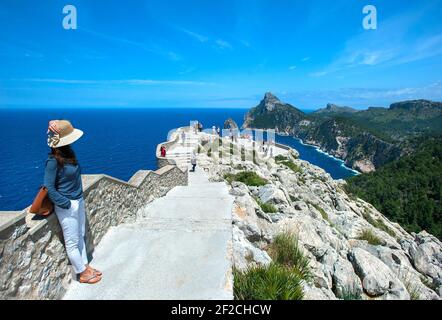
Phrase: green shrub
x=268 y=207
x=285 y=251
x=272 y=282
x=291 y=165
x=249 y=178
x=229 y=177
x=369 y=236
x=378 y=224
x=351 y=293
x=280 y=158
x=321 y=211
x=382 y=226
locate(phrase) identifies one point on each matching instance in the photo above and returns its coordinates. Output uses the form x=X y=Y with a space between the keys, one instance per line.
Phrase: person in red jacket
x=163 y=151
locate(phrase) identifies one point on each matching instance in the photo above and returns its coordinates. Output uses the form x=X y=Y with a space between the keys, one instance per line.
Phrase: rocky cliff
x=365 y=140
x=352 y=248
x=271 y=113
x=360 y=149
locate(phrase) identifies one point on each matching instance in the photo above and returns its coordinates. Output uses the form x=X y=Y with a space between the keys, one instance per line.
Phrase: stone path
x=179 y=249
x=182 y=152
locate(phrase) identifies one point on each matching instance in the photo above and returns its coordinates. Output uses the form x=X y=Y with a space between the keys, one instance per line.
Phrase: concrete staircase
x=180 y=248
x=182 y=152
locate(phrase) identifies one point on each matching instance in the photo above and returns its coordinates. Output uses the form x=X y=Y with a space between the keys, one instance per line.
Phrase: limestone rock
x=377 y=279
x=270 y=193
x=245 y=253
x=426 y=254
x=344 y=279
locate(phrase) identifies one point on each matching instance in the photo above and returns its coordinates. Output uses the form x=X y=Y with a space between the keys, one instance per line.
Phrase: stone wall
x=33 y=261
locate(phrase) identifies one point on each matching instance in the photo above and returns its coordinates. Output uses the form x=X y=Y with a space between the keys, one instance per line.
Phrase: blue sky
x=218 y=53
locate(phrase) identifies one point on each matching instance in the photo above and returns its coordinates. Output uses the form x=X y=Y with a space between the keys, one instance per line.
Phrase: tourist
x=236 y=135
x=193 y=162
x=183 y=137
x=62 y=178
x=163 y=152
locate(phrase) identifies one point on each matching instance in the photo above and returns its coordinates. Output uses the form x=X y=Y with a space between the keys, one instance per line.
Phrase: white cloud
x=155 y=49
x=393 y=43
x=305 y=59
x=291 y=68
x=195 y=35
x=318 y=74
x=223 y=44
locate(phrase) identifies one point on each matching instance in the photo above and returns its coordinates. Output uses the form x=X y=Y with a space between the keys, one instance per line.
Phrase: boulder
x=270 y=193
x=238 y=189
x=426 y=255
x=345 y=280
x=245 y=253
x=245 y=217
x=377 y=279
x=313 y=293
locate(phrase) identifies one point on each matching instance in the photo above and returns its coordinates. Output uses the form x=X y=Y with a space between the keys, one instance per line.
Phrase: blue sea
x=117 y=142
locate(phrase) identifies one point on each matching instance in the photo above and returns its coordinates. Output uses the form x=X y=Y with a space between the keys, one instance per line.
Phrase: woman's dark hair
x=64 y=155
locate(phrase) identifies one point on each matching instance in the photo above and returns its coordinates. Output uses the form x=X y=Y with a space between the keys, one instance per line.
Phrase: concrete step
x=186 y=205
x=140 y=263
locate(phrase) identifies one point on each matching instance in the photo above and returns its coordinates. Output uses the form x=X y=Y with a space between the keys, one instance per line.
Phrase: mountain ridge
x=365 y=140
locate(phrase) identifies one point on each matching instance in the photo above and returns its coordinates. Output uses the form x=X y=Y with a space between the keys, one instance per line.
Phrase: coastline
x=318 y=149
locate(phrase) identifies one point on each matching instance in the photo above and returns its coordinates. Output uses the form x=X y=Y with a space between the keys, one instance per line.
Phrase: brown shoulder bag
x=42 y=205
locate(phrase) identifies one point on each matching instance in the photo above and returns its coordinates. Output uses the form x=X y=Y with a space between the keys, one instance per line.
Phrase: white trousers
x=73 y=224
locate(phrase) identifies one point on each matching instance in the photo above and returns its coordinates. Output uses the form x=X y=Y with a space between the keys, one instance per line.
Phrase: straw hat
x=62 y=133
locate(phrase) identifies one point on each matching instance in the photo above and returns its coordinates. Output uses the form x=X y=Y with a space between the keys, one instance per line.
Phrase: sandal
x=97 y=272
x=90 y=279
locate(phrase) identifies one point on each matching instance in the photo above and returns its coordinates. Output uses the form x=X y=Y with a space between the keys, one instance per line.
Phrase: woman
x=63 y=181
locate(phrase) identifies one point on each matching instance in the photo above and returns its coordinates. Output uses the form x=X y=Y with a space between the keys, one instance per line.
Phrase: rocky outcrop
x=271 y=113
x=378 y=280
x=230 y=124
x=354 y=251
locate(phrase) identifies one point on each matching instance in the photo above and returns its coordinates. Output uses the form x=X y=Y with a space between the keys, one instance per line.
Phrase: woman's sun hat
x=62 y=133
